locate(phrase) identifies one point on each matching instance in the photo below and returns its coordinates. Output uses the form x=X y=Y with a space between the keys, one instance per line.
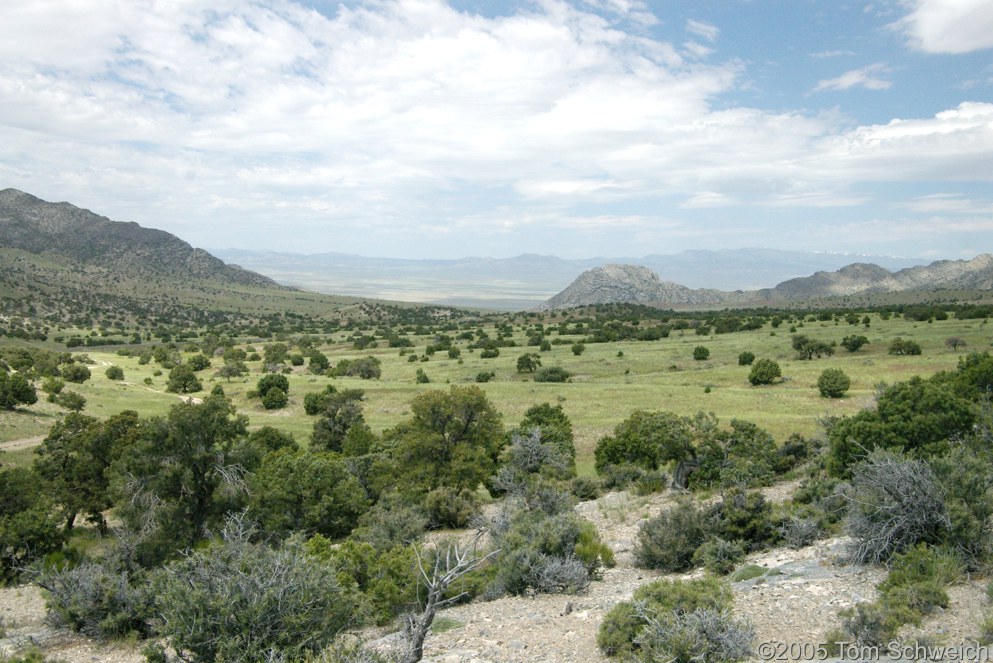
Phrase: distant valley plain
x=525 y=281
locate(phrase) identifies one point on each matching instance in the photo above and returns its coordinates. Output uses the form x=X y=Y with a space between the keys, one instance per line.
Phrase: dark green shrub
x=651 y=481
x=242 y=601
x=620 y=476
x=75 y=373
x=182 y=380
x=15 y=390
x=792 y=453
x=833 y=383
x=746 y=358
x=854 y=342
x=274 y=399
x=965 y=475
x=648 y=440
x=622 y=628
x=70 y=400
x=387 y=579
x=586 y=488
x=114 y=373
x=900 y=346
x=366 y=368
x=316 y=402
x=305 y=491
x=29 y=526
x=700 y=353
x=485 y=376
x=447 y=507
x=544 y=546
x=99 y=599
x=392 y=522
x=719 y=556
x=867 y=625
x=918 y=417
x=745 y=455
x=668 y=541
x=746 y=518
x=271 y=380
x=552 y=374
x=764 y=371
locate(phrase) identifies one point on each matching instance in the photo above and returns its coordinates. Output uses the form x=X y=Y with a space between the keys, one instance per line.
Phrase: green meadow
x=609 y=380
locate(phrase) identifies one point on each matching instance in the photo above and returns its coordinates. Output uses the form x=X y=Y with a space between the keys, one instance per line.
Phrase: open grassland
x=609 y=380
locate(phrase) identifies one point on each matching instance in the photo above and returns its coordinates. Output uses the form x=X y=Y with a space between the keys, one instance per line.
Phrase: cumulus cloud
x=949 y=26
x=865 y=77
x=396 y=118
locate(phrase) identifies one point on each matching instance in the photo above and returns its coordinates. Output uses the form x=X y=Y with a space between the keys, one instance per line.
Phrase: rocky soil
x=796 y=601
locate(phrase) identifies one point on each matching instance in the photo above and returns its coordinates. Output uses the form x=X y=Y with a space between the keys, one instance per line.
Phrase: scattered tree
x=808 y=348
x=528 y=363
x=15 y=389
x=182 y=380
x=953 y=343
x=900 y=346
x=853 y=342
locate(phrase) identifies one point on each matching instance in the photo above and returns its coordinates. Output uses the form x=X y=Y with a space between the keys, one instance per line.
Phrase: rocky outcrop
x=629 y=284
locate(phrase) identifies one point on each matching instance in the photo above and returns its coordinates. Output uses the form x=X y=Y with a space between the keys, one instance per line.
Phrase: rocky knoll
x=631 y=284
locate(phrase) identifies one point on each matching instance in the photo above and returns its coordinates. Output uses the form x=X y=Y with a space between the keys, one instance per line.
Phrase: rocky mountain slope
x=632 y=284
x=87 y=240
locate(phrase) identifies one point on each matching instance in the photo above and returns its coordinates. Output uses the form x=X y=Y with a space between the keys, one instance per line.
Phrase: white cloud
x=832 y=54
x=948 y=203
x=633 y=10
x=954 y=145
x=865 y=77
x=696 y=49
x=949 y=26
x=399 y=117
x=703 y=30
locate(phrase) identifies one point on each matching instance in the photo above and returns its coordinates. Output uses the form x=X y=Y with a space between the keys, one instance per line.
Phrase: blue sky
x=420 y=128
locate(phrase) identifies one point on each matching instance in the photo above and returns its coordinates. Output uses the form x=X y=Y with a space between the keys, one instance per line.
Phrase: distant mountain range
x=634 y=284
x=527 y=280
x=62 y=253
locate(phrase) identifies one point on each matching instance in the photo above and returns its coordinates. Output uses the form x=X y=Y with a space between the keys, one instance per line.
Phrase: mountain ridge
x=527 y=280
x=61 y=229
x=633 y=284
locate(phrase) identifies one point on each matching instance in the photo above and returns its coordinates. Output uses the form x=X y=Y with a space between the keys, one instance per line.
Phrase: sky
x=431 y=129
